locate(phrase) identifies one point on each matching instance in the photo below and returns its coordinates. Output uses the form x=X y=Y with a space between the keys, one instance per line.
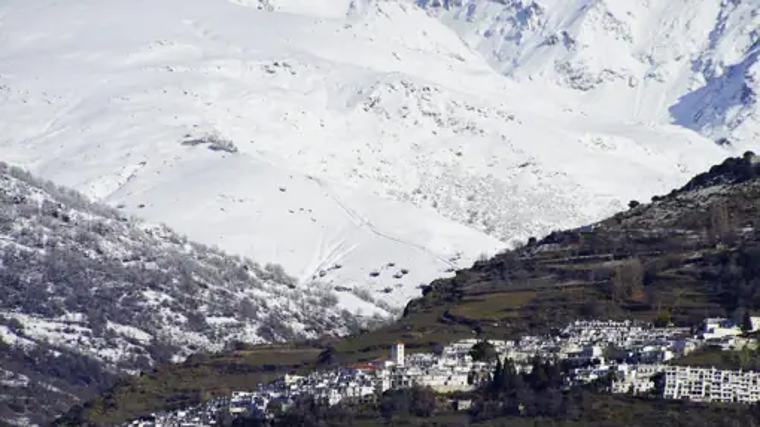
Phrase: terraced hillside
x=687 y=255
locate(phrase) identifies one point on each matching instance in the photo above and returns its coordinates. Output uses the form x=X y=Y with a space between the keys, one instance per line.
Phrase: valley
x=191 y=178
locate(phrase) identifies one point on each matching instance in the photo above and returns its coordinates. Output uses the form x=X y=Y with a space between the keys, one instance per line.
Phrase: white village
x=645 y=351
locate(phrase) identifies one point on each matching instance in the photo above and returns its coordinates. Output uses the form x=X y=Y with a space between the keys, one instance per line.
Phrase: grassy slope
x=199 y=378
x=745 y=359
x=655 y=259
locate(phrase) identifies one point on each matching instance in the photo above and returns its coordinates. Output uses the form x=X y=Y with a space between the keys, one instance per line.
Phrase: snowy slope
x=87 y=293
x=332 y=137
x=692 y=63
x=67 y=261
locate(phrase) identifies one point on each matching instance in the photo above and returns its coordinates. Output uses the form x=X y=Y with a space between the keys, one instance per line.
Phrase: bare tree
x=627 y=279
x=720 y=225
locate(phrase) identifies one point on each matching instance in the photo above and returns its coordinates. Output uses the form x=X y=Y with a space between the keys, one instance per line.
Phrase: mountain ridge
x=698 y=64
x=404 y=121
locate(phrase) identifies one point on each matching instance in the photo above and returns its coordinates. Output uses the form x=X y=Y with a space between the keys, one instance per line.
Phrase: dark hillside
x=691 y=254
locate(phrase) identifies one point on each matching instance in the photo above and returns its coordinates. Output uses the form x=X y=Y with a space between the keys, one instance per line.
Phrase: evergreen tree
x=538 y=379
x=328 y=356
x=746 y=322
x=510 y=381
x=498 y=372
x=554 y=374
x=483 y=351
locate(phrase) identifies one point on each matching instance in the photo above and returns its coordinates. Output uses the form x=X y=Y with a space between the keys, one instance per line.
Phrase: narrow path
x=359 y=221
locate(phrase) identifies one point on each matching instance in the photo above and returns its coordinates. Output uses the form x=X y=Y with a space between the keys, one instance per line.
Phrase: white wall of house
x=712 y=385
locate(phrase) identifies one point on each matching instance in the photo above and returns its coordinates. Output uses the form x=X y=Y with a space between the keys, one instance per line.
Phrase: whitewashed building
x=717 y=328
x=711 y=385
x=397 y=354
x=634 y=351
x=636 y=379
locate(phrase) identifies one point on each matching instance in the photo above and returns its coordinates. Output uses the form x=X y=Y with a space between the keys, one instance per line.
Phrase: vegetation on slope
x=87 y=293
x=714 y=357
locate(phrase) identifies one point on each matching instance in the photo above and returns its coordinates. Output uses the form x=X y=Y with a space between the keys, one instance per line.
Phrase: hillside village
x=632 y=354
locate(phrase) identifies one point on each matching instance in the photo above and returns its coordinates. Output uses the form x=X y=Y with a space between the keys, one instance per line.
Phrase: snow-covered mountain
x=381 y=137
x=87 y=293
x=692 y=63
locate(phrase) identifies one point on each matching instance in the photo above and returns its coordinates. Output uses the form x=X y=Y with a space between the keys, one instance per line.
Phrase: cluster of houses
x=644 y=359
x=689 y=383
x=635 y=352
